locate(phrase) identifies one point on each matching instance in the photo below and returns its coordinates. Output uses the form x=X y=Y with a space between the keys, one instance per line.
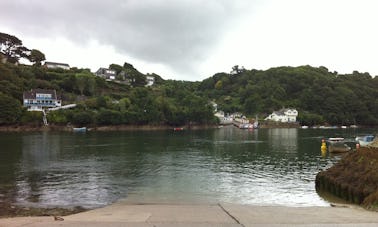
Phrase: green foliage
x=319 y=95
x=109 y=117
x=116 y=67
x=310 y=119
x=11 y=47
x=10 y=109
x=82 y=118
x=85 y=83
x=33 y=118
x=36 y=56
x=57 y=117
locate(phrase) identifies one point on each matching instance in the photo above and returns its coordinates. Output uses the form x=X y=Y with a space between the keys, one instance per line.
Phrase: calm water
x=262 y=167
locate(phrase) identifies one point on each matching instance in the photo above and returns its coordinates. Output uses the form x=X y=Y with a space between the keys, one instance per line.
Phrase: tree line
x=319 y=95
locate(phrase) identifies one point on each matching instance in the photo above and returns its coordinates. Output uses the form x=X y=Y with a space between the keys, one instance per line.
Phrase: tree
x=124 y=104
x=12 y=48
x=10 y=109
x=116 y=67
x=36 y=57
x=85 y=83
x=82 y=118
x=237 y=70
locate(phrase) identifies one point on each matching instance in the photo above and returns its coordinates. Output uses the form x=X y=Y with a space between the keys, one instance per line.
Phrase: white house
x=37 y=99
x=150 y=80
x=56 y=65
x=283 y=115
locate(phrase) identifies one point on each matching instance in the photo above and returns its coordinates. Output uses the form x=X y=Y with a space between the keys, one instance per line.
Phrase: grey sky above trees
x=193 y=39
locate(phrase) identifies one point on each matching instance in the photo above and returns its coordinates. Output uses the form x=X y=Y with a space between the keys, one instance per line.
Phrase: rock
x=354 y=178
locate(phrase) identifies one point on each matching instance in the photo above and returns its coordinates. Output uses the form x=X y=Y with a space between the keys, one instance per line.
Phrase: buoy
x=323 y=148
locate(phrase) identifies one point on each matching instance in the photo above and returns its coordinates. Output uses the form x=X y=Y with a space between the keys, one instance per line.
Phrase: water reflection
x=264 y=167
x=49 y=178
x=283 y=139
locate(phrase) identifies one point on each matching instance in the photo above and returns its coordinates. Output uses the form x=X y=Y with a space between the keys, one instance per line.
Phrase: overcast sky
x=194 y=39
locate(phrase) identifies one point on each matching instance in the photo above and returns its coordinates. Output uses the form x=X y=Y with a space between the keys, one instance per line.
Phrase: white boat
x=337 y=145
x=246 y=126
x=82 y=129
x=365 y=140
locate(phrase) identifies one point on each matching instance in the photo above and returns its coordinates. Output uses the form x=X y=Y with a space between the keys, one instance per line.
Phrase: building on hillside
x=38 y=99
x=223 y=119
x=56 y=65
x=150 y=80
x=107 y=74
x=284 y=115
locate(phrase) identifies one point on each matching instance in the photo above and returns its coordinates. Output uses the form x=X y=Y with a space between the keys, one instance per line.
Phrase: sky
x=194 y=39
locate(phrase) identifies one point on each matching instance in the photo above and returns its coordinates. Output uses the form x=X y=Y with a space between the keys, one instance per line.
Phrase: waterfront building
x=38 y=99
x=284 y=115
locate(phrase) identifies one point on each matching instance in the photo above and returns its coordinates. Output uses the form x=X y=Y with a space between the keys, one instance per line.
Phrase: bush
x=10 y=110
x=31 y=118
x=109 y=117
x=82 y=118
x=57 y=117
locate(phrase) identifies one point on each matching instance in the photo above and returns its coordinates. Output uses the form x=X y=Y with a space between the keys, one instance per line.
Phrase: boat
x=82 y=129
x=304 y=126
x=365 y=140
x=256 y=123
x=247 y=126
x=337 y=145
x=178 y=129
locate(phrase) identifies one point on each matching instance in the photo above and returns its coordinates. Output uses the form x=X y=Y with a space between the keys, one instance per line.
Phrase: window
x=43 y=96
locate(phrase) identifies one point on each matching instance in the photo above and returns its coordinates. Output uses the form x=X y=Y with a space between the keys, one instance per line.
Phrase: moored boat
x=82 y=129
x=337 y=145
x=365 y=140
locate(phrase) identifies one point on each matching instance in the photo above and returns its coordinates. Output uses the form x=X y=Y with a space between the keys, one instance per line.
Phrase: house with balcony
x=39 y=99
x=284 y=115
x=107 y=74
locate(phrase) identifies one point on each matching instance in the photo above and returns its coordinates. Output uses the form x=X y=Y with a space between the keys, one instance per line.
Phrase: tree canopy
x=319 y=95
x=11 y=47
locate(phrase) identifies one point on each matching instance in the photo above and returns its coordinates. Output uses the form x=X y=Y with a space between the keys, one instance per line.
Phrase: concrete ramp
x=230 y=215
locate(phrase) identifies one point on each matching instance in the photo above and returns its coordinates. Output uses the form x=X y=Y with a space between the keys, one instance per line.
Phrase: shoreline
x=353 y=178
x=106 y=128
x=59 y=128
x=221 y=214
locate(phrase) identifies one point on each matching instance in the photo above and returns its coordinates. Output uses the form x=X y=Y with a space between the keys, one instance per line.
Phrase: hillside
x=101 y=102
x=319 y=95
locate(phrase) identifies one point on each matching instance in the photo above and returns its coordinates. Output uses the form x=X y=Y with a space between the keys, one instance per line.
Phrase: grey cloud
x=176 y=33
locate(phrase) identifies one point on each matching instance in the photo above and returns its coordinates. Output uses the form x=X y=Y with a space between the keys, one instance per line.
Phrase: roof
x=32 y=93
x=279 y=113
x=56 y=63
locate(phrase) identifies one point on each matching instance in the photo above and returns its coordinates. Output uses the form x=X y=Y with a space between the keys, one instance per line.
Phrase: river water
x=93 y=169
